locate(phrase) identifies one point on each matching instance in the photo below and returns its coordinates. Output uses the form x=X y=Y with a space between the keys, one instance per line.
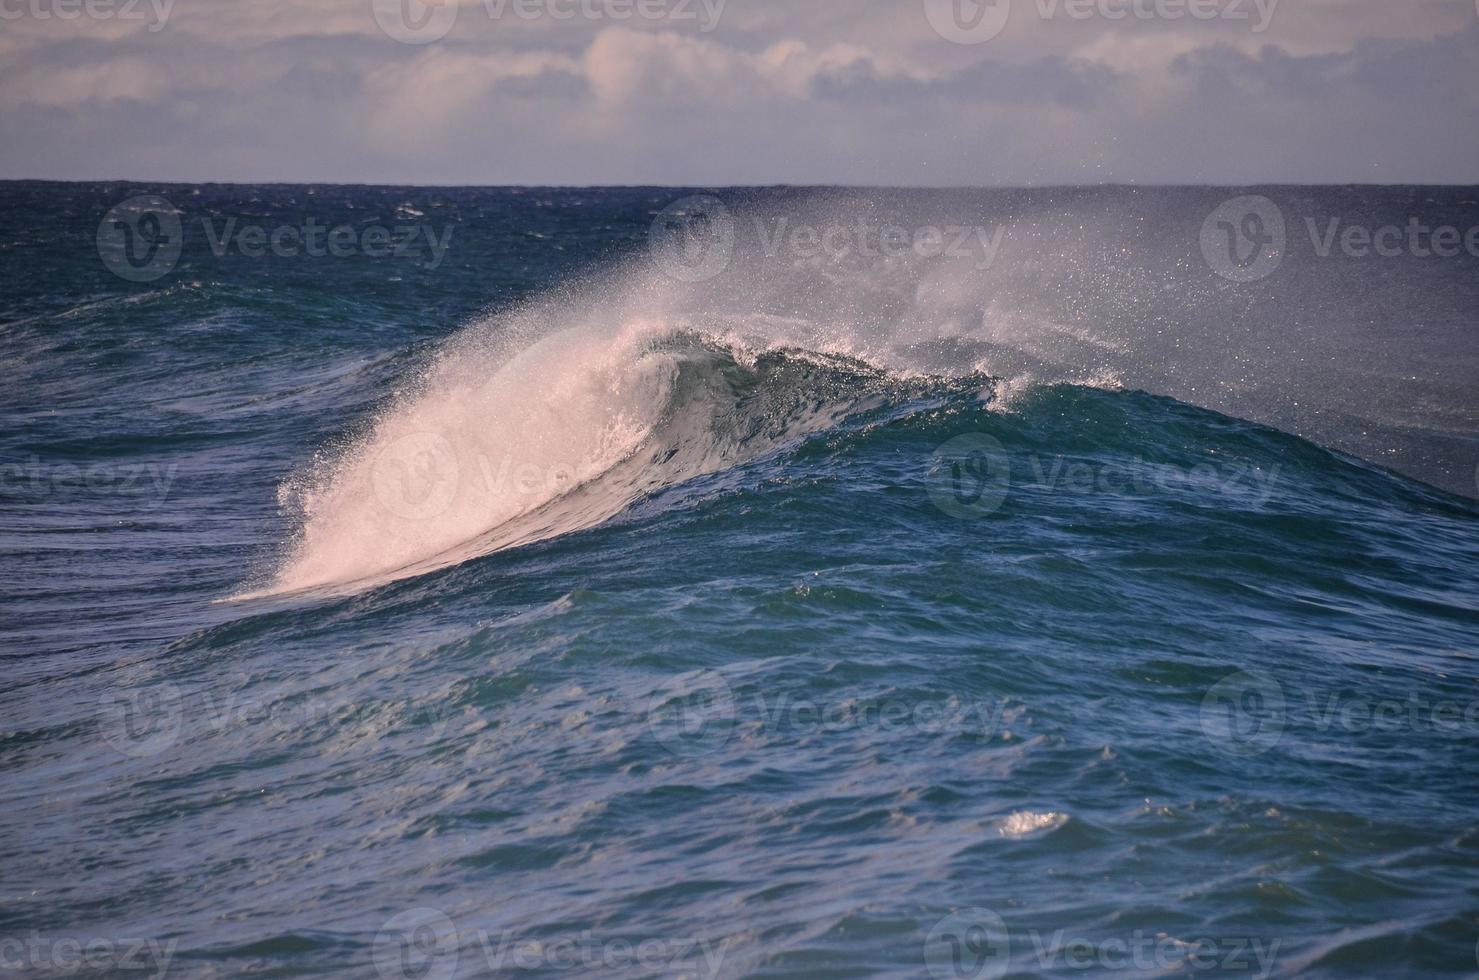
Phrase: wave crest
x=493 y=449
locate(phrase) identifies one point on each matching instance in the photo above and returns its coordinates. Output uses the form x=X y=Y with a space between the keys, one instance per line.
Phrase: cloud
x=114 y=80
x=624 y=66
x=439 y=88
x=849 y=91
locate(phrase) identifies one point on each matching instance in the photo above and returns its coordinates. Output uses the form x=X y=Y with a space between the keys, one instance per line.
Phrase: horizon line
x=765 y=185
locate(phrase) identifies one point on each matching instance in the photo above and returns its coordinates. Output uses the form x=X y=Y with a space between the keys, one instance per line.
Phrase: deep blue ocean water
x=573 y=602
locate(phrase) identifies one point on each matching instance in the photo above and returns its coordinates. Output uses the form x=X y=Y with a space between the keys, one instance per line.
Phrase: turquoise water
x=532 y=614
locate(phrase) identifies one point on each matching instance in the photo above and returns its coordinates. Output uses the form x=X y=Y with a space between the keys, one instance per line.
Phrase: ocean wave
x=492 y=450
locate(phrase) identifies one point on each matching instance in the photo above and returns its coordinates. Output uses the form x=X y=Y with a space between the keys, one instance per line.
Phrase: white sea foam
x=1025 y=823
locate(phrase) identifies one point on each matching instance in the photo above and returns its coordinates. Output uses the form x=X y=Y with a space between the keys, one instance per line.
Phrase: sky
x=720 y=92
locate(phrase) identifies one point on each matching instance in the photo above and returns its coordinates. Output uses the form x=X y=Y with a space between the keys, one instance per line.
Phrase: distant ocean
x=425 y=583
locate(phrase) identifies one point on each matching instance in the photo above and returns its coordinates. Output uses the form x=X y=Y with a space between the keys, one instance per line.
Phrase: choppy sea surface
x=427 y=583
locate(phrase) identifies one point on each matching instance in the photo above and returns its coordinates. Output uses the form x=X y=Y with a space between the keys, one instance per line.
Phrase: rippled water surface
x=529 y=610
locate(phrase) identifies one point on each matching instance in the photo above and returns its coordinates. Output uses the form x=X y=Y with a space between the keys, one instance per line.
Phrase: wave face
x=826 y=615
x=532 y=403
x=490 y=453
